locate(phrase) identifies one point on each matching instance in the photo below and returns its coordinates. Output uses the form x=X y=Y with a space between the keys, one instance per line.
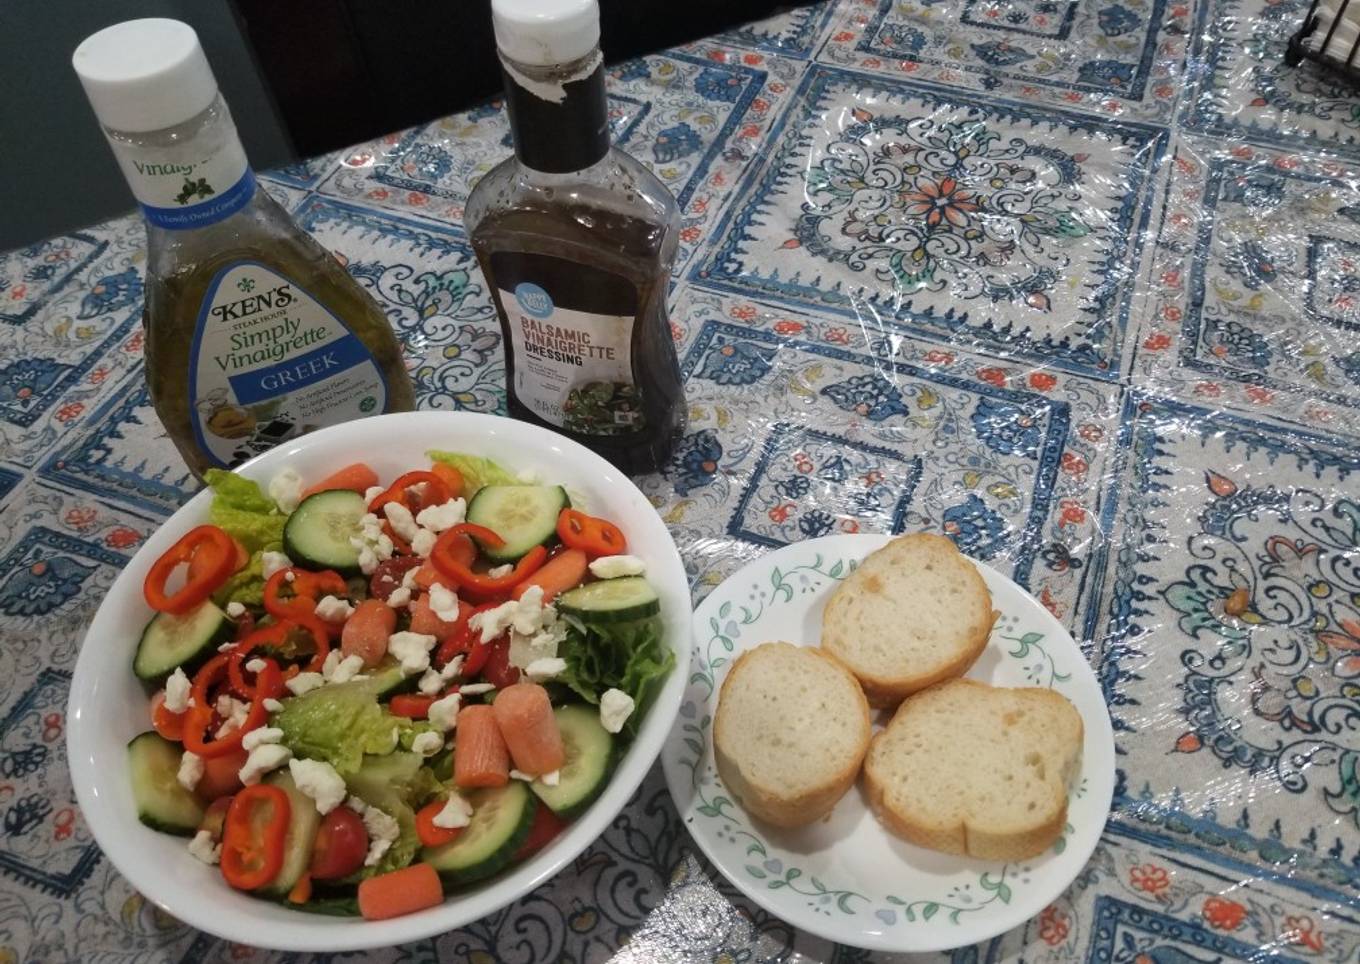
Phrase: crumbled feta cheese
x=255 y=665
x=427 y=743
x=368 y=560
x=521 y=775
x=452 y=668
x=412 y=649
x=304 y=683
x=262 y=759
x=525 y=615
x=272 y=705
x=331 y=661
x=422 y=543
x=614 y=567
x=318 y=780
x=177 y=689
x=190 y=770
x=260 y=736
x=333 y=609
x=370 y=525
x=431 y=683
x=551 y=779
x=204 y=849
x=235 y=610
x=444 y=713
x=355 y=804
x=444 y=603
x=372 y=492
x=346 y=669
x=290 y=576
x=233 y=713
x=285 y=488
x=542 y=670
x=401 y=520
x=401 y=596
x=475 y=689
x=272 y=562
x=408 y=581
x=382 y=832
x=457 y=813
x=373 y=544
x=437 y=518
x=615 y=708
x=226 y=647
x=496 y=572
x=541 y=645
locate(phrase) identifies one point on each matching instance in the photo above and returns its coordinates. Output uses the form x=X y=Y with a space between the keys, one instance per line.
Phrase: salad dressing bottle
x=576 y=240
x=255 y=334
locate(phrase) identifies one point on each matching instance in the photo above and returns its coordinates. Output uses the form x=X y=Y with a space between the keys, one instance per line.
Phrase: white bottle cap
x=545 y=33
x=145 y=75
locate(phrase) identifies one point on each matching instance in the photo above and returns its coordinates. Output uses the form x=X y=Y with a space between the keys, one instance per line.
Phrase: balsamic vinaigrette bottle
x=255 y=334
x=576 y=240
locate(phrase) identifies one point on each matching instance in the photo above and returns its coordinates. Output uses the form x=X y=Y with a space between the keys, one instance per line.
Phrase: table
x=1048 y=276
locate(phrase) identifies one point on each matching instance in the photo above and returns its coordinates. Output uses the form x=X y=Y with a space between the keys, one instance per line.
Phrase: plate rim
x=1104 y=731
x=303 y=932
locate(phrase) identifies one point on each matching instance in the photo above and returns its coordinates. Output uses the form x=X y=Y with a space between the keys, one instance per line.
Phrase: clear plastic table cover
x=1077 y=283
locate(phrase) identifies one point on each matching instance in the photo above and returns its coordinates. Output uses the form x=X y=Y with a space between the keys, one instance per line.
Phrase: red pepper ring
x=253 y=836
x=210 y=555
x=448 y=554
x=275 y=634
x=436 y=491
x=199 y=717
x=593 y=536
x=461 y=640
x=306 y=586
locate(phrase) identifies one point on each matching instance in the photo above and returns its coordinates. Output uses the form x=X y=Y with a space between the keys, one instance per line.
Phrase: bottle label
x=269 y=362
x=189 y=185
x=571 y=332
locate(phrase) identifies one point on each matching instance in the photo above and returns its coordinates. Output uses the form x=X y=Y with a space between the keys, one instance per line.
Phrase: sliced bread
x=974 y=769
x=914 y=613
x=790 y=732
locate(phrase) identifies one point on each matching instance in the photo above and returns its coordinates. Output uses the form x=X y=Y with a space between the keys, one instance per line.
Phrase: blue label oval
x=533 y=299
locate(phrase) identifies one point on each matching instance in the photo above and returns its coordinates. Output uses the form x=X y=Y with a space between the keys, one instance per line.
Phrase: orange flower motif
x=788 y=327
x=1299 y=929
x=942 y=201
x=1158 y=341
x=1053 y=926
x=121 y=538
x=1042 y=381
x=1150 y=879
x=1224 y=914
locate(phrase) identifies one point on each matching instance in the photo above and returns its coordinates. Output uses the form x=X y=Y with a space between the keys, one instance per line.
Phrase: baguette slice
x=790 y=733
x=974 y=769
x=914 y=613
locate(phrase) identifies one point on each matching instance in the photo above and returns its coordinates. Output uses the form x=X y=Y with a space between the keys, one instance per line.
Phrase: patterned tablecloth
x=1076 y=282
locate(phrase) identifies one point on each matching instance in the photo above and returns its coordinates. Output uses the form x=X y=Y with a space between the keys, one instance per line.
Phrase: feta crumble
x=615 y=567
x=333 y=609
x=427 y=743
x=382 y=833
x=542 y=670
x=262 y=759
x=285 y=488
x=177 y=688
x=444 y=713
x=412 y=649
x=204 y=849
x=475 y=689
x=272 y=562
x=615 y=708
x=190 y=770
x=438 y=518
x=304 y=683
x=401 y=596
x=260 y=736
x=318 y=780
x=400 y=519
x=422 y=543
x=456 y=813
x=235 y=610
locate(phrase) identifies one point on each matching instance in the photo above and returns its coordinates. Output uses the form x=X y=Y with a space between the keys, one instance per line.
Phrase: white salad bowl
x=108 y=704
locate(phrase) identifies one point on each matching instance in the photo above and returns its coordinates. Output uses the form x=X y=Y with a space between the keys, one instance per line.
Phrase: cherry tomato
x=497 y=671
x=341 y=845
x=220 y=775
x=389 y=574
x=167 y=724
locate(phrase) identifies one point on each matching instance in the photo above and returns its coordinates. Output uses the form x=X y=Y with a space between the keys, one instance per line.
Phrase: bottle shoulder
x=260 y=228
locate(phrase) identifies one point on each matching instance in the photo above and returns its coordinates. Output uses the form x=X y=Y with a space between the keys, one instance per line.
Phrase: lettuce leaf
x=395 y=783
x=339 y=724
x=247 y=514
x=476 y=470
x=632 y=657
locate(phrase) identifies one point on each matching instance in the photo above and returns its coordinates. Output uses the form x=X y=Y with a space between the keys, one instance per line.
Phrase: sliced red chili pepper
x=436 y=492
x=411 y=705
x=592 y=535
x=276 y=636
x=460 y=639
x=253 y=836
x=448 y=554
x=210 y=555
x=476 y=658
x=198 y=719
x=307 y=587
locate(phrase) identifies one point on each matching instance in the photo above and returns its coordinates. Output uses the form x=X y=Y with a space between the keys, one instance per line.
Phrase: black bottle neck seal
x=559 y=137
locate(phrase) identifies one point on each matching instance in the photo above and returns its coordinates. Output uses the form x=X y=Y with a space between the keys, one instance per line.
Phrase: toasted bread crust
x=768 y=803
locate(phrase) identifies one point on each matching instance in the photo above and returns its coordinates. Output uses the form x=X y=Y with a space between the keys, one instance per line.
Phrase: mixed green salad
x=365 y=694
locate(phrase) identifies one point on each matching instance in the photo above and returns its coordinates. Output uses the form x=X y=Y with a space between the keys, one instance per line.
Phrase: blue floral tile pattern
x=29 y=276
x=794 y=32
x=945 y=214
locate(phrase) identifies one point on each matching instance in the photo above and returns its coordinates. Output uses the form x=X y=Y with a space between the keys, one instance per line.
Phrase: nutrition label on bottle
x=269 y=362
x=573 y=367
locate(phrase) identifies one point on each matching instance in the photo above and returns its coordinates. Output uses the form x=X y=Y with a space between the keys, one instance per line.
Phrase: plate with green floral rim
x=847 y=878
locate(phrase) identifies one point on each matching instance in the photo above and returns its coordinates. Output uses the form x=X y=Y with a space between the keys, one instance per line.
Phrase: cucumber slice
x=162 y=804
x=590 y=759
x=611 y=600
x=523 y=515
x=186 y=640
x=303 y=821
x=501 y=817
x=317 y=535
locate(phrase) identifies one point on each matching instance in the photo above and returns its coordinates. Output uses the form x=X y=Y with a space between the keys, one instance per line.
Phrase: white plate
x=847 y=878
x=108 y=706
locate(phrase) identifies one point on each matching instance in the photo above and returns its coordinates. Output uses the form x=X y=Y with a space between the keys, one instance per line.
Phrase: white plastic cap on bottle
x=545 y=33
x=145 y=75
